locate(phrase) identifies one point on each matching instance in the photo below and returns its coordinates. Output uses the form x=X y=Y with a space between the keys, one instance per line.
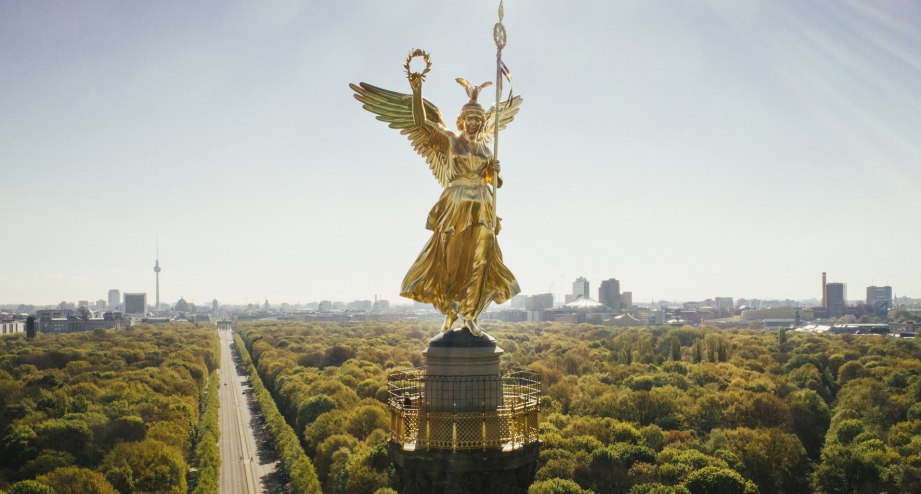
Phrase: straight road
x=242 y=470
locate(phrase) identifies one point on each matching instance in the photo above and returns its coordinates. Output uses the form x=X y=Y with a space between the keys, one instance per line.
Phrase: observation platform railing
x=463 y=413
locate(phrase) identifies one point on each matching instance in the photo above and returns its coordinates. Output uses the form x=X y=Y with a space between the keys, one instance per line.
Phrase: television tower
x=157 y=271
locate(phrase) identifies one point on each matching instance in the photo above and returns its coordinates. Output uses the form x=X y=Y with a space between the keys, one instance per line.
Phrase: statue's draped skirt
x=460 y=269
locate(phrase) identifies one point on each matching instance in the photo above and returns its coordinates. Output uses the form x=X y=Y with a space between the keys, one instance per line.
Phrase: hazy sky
x=689 y=149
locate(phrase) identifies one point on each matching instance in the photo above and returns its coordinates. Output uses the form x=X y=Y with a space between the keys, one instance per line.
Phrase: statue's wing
x=507 y=111
x=396 y=109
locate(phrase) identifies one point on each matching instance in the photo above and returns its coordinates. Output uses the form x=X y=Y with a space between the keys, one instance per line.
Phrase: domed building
x=626 y=320
x=582 y=309
x=587 y=304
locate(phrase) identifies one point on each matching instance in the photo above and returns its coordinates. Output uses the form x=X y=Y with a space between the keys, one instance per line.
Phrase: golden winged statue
x=460 y=269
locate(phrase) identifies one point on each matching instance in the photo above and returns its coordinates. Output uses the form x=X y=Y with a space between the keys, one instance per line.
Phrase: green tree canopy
x=76 y=480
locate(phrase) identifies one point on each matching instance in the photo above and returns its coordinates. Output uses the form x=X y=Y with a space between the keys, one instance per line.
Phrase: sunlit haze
x=688 y=149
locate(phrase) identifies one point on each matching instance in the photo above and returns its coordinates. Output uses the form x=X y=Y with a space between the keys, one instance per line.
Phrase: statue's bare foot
x=472 y=327
x=449 y=321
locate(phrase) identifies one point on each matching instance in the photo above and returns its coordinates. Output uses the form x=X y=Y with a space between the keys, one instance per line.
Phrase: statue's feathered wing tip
x=467 y=86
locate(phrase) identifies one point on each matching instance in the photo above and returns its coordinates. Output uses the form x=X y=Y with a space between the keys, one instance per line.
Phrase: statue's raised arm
x=414 y=116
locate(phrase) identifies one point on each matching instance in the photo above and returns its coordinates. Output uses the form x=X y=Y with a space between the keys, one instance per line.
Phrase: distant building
x=723 y=303
x=836 y=299
x=51 y=321
x=8 y=327
x=135 y=303
x=879 y=294
x=84 y=303
x=778 y=323
x=626 y=320
x=879 y=300
x=650 y=317
x=789 y=312
x=536 y=307
x=114 y=297
x=609 y=294
x=586 y=304
x=51 y=313
x=538 y=315
x=100 y=305
x=689 y=316
x=580 y=288
x=626 y=300
x=824 y=291
x=543 y=301
x=360 y=305
x=165 y=319
x=506 y=315
x=583 y=309
x=518 y=301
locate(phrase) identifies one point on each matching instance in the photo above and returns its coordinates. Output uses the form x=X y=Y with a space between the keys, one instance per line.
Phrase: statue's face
x=473 y=123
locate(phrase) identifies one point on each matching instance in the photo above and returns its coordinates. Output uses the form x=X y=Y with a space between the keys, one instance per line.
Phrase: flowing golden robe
x=460 y=269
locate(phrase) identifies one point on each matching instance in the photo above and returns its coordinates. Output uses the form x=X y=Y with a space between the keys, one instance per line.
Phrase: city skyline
x=560 y=298
x=688 y=150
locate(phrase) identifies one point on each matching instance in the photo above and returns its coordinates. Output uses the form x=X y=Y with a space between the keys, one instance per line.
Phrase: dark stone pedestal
x=463 y=472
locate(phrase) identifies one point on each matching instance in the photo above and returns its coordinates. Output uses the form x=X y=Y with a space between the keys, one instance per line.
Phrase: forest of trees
x=640 y=410
x=109 y=411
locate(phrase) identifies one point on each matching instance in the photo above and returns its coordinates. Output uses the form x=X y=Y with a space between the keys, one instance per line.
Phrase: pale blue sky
x=689 y=149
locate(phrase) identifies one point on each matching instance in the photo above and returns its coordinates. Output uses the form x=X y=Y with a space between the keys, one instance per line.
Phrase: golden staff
x=498 y=35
